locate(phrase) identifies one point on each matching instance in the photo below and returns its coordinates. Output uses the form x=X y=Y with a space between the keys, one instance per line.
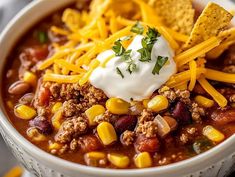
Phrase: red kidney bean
x=223 y=117
x=18 y=88
x=144 y=144
x=43 y=96
x=125 y=123
x=42 y=124
x=27 y=98
x=181 y=113
x=90 y=143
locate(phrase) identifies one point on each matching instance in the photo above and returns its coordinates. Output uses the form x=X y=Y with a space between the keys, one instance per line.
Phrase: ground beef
x=171 y=95
x=71 y=128
x=64 y=91
x=149 y=129
x=127 y=138
x=197 y=112
x=60 y=151
x=72 y=107
x=145 y=116
x=92 y=94
x=106 y=117
x=229 y=69
x=168 y=93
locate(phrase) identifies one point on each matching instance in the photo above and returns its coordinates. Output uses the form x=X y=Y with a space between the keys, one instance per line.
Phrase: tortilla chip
x=176 y=14
x=211 y=22
x=227 y=35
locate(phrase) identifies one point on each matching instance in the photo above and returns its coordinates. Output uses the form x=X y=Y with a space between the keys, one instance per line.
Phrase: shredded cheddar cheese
x=219 y=98
x=193 y=74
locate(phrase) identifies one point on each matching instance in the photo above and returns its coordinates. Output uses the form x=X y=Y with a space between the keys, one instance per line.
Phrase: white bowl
x=218 y=161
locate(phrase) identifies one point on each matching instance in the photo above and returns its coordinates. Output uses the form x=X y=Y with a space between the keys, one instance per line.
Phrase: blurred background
x=8 y=8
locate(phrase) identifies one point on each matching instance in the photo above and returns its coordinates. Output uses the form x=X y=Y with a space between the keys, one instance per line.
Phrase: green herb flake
x=119 y=72
x=118 y=48
x=137 y=28
x=147 y=44
x=131 y=67
x=159 y=64
x=127 y=55
x=42 y=37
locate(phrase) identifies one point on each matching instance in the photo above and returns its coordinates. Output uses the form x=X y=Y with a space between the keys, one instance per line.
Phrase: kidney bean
x=144 y=144
x=90 y=143
x=42 y=124
x=43 y=96
x=181 y=113
x=26 y=99
x=223 y=117
x=125 y=123
x=18 y=88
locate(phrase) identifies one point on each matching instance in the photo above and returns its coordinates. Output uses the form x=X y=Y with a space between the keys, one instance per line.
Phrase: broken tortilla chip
x=176 y=14
x=211 y=22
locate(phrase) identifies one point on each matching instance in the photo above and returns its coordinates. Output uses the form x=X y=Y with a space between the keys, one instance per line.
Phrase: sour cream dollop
x=141 y=83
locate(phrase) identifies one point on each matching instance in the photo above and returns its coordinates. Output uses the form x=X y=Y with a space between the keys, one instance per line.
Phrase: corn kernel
x=54 y=146
x=95 y=155
x=14 y=172
x=56 y=107
x=203 y=101
x=143 y=160
x=213 y=134
x=94 y=111
x=106 y=133
x=145 y=103
x=158 y=103
x=34 y=134
x=120 y=161
x=31 y=78
x=56 y=119
x=25 y=112
x=117 y=106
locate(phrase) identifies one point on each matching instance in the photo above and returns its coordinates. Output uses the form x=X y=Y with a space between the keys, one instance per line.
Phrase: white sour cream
x=141 y=83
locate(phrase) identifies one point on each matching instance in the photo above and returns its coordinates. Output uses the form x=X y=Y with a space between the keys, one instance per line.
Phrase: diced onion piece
x=163 y=127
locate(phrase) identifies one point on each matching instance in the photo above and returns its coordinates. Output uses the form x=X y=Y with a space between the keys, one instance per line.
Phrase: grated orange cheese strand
x=60 y=31
x=174 y=45
x=48 y=62
x=125 y=22
x=216 y=52
x=176 y=35
x=193 y=74
x=103 y=65
x=197 y=51
x=62 y=78
x=148 y=13
x=71 y=67
x=103 y=31
x=123 y=32
x=14 y=172
x=113 y=25
x=94 y=64
x=183 y=77
x=220 y=99
x=56 y=69
x=182 y=86
x=220 y=76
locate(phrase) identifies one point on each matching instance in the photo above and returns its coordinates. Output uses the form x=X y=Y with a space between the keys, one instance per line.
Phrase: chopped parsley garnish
x=42 y=37
x=147 y=44
x=160 y=62
x=118 y=48
x=137 y=28
x=131 y=67
x=119 y=72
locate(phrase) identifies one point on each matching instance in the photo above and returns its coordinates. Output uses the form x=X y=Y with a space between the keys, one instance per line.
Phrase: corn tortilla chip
x=176 y=14
x=211 y=22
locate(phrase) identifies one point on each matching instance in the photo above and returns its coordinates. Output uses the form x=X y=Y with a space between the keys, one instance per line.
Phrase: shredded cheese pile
x=92 y=32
